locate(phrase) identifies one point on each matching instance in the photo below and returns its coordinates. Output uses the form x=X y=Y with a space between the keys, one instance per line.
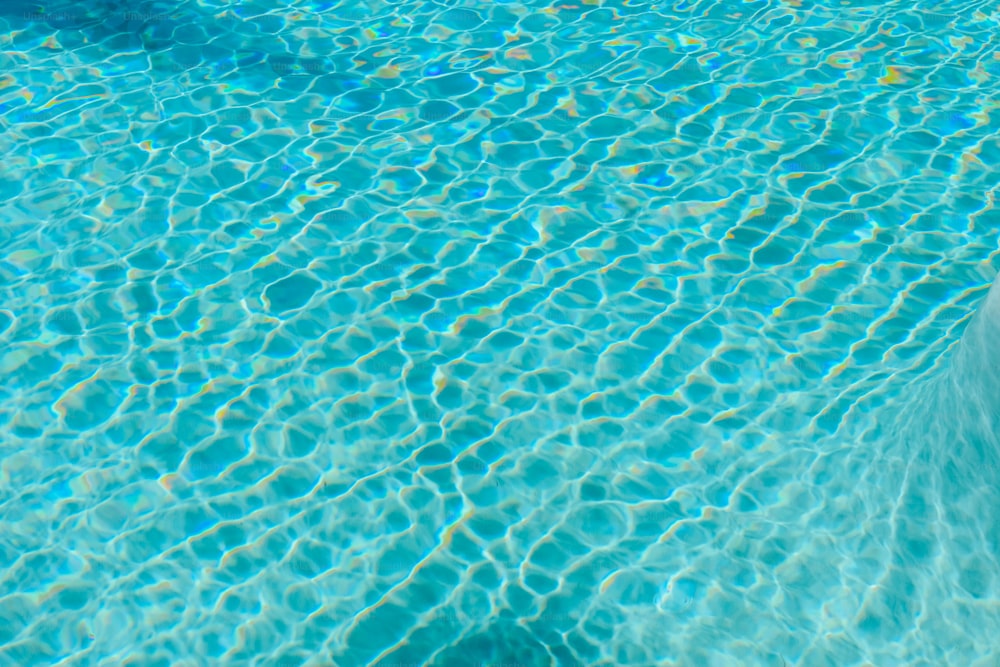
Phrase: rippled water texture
x=602 y=334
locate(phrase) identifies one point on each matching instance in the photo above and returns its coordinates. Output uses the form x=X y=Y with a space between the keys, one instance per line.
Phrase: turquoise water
x=609 y=333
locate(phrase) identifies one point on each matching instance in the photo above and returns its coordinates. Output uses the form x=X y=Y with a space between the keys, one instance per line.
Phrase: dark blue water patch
x=249 y=58
x=360 y=101
x=291 y=293
x=122 y=22
x=436 y=110
x=656 y=176
x=660 y=57
x=335 y=85
x=962 y=121
x=267 y=24
x=64 y=321
x=27 y=113
x=463 y=19
x=57 y=15
x=438 y=68
x=503 y=642
x=288 y=65
x=593 y=58
x=477 y=190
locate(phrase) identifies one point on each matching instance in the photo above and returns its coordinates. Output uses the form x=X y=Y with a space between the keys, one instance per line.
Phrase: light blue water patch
x=575 y=334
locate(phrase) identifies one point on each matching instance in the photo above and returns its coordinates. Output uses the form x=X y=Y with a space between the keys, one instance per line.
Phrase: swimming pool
x=593 y=333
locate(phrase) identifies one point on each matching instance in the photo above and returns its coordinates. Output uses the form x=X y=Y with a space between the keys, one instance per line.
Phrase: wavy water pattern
x=591 y=333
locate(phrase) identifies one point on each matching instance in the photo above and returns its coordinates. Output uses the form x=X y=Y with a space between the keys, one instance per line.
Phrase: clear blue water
x=601 y=333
